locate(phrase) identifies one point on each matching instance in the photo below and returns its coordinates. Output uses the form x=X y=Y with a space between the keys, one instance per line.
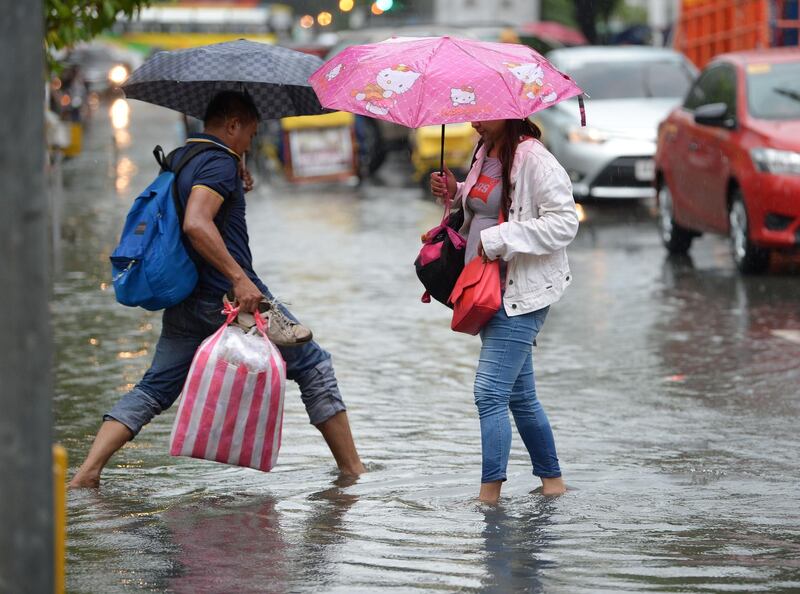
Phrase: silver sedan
x=631 y=89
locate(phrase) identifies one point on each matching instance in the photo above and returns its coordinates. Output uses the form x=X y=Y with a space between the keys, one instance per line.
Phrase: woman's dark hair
x=230 y=104
x=513 y=133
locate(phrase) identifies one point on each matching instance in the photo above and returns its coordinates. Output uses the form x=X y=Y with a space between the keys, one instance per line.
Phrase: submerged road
x=672 y=387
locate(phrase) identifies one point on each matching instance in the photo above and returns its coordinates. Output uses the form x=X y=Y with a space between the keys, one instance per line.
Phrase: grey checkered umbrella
x=185 y=80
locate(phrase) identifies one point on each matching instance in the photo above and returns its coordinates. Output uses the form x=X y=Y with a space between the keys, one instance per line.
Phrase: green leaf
x=70 y=21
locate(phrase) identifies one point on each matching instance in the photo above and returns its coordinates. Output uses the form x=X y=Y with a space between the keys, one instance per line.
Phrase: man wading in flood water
x=221 y=243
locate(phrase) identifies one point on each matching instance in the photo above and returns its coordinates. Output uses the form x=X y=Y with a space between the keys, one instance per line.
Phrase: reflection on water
x=124 y=171
x=228 y=546
x=673 y=401
x=516 y=547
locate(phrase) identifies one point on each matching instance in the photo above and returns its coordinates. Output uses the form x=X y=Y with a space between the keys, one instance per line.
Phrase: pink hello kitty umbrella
x=441 y=80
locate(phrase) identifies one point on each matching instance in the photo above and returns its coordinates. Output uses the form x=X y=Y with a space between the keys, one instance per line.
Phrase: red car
x=728 y=159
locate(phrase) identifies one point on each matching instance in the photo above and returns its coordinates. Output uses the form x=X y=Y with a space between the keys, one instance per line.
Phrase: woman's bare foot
x=490 y=492
x=553 y=486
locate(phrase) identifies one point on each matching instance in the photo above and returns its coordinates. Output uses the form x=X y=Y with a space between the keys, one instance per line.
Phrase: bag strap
x=167 y=163
x=475 y=153
x=448 y=201
x=192 y=149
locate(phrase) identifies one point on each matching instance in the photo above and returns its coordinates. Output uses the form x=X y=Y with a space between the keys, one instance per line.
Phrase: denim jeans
x=184 y=327
x=505 y=380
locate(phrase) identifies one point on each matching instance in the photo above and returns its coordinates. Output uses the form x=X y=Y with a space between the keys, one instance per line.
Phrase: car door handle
x=693 y=146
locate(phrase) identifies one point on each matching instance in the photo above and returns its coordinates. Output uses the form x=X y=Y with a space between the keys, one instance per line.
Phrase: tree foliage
x=561 y=11
x=589 y=12
x=586 y=14
x=69 y=21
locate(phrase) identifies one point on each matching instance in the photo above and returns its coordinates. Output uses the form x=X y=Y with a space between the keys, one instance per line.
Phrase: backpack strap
x=189 y=151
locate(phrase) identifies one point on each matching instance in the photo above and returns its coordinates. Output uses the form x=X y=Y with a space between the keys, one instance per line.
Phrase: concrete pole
x=26 y=486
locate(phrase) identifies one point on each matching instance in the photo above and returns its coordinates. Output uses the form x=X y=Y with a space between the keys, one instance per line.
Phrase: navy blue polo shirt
x=219 y=173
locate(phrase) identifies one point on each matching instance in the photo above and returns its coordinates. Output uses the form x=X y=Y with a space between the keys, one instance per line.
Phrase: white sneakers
x=281 y=330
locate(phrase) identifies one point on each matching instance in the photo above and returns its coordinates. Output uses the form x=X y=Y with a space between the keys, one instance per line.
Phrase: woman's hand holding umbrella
x=443 y=184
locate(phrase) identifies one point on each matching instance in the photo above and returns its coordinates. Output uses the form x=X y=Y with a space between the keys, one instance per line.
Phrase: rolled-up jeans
x=505 y=380
x=184 y=327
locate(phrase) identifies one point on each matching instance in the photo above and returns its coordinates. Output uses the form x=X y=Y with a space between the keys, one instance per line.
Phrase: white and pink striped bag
x=227 y=412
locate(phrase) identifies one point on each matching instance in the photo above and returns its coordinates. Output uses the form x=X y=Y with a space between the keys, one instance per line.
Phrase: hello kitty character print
x=462 y=96
x=334 y=72
x=378 y=96
x=532 y=77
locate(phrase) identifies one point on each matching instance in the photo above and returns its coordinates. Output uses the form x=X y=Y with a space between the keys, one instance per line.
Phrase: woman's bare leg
x=553 y=486
x=490 y=492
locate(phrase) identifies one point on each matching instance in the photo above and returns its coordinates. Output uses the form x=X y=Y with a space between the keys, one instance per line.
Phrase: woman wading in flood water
x=514 y=172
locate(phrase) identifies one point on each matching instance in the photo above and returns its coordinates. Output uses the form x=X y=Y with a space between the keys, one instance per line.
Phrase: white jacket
x=542 y=223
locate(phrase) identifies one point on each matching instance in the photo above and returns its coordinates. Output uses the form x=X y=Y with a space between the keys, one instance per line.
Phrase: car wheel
x=747 y=257
x=676 y=239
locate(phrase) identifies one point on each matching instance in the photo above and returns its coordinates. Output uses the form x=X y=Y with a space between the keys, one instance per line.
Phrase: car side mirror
x=714 y=114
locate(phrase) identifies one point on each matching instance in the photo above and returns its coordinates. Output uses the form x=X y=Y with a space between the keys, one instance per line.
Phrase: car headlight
x=769 y=160
x=118 y=74
x=587 y=135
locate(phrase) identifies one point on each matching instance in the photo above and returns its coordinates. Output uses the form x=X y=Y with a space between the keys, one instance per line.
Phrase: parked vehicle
x=728 y=159
x=631 y=90
x=426 y=150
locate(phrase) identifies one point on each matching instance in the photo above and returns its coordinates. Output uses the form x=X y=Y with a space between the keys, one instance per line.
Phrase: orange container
x=706 y=28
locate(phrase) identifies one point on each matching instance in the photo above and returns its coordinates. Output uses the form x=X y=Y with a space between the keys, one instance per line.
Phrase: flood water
x=672 y=387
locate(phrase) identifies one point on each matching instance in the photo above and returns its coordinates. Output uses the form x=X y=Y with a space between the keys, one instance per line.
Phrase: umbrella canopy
x=440 y=80
x=553 y=31
x=186 y=80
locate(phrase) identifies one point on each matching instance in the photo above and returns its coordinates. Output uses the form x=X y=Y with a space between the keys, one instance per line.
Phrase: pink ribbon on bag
x=231 y=312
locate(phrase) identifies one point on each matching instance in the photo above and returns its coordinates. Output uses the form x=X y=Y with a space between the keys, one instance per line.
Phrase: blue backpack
x=151 y=267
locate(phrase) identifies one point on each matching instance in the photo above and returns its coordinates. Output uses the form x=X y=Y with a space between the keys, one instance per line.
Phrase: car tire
x=675 y=238
x=749 y=258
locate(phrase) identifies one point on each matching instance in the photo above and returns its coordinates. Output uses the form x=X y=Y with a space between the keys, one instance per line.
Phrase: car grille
x=620 y=173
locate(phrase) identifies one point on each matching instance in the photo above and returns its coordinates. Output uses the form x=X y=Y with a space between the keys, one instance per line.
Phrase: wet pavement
x=672 y=387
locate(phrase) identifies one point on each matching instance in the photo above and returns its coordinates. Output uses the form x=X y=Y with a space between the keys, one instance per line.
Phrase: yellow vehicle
x=184 y=24
x=426 y=147
x=319 y=147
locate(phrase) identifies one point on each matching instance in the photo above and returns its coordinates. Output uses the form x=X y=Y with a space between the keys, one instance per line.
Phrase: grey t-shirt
x=484 y=201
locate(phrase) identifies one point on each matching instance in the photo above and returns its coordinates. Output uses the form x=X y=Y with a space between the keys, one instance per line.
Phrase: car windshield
x=773 y=91
x=632 y=80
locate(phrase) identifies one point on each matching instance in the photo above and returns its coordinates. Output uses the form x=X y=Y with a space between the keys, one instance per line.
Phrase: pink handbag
x=477 y=295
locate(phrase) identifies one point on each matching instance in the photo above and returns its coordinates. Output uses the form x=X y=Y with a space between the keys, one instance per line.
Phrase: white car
x=631 y=89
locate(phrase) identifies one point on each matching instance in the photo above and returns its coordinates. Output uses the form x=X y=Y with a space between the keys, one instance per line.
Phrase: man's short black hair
x=230 y=104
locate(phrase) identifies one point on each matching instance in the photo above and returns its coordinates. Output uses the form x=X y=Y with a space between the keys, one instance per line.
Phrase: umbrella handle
x=441 y=153
x=441 y=172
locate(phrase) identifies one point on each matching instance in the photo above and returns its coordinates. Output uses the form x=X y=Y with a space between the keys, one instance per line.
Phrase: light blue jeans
x=505 y=380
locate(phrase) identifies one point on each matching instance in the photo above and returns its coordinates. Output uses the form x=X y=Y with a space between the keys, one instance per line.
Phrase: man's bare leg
x=336 y=432
x=111 y=437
